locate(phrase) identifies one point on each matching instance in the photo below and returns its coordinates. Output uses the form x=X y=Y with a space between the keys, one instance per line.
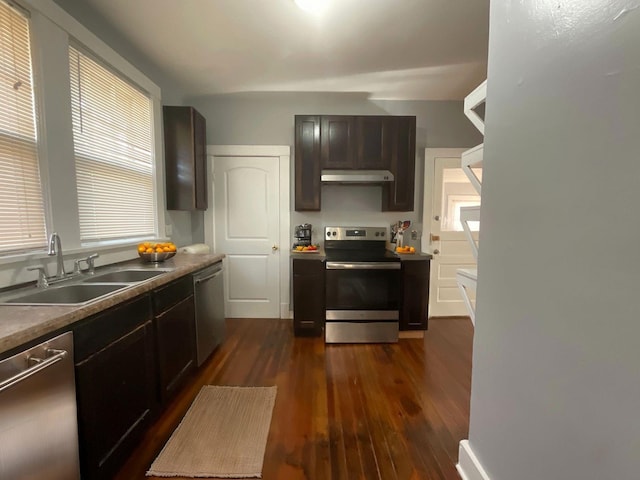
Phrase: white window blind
x=112 y=134
x=22 y=221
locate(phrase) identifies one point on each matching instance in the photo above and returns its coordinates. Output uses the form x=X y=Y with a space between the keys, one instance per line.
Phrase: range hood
x=356 y=176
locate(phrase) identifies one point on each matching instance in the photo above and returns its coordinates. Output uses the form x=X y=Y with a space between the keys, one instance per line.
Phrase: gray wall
x=555 y=386
x=268 y=119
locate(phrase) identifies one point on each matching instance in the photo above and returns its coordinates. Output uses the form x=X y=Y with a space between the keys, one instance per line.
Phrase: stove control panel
x=355 y=233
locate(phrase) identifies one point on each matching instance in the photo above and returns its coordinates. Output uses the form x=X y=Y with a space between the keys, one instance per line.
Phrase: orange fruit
x=149 y=250
x=141 y=248
x=412 y=250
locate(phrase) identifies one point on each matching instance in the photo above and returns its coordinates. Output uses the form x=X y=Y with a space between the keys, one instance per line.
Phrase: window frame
x=89 y=54
x=35 y=84
x=53 y=30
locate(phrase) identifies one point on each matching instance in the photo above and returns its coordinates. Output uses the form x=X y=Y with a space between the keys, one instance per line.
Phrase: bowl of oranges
x=156 y=251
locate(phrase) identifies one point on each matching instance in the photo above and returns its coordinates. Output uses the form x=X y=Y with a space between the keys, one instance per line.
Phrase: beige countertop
x=313 y=255
x=413 y=256
x=21 y=324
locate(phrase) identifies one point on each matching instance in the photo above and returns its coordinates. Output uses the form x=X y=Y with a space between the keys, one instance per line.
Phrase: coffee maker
x=302 y=235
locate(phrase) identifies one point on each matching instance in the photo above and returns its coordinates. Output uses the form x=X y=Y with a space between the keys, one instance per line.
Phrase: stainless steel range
x=362 y=286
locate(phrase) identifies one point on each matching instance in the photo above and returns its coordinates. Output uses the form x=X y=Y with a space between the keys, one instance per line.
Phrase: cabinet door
x=337 y=142
x=307 y=163
x=115 y=391
x=308 y=297
x=185 y=158
x=176 y=346
x=200 y=160
x=375 y=139
x=398 y=195
x=415 y=295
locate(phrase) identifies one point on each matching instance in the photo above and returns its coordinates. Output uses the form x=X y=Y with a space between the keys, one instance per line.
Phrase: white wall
x=555 y=386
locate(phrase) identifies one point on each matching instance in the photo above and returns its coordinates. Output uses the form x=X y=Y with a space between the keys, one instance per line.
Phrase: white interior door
x=450 y=248
x=246 y=193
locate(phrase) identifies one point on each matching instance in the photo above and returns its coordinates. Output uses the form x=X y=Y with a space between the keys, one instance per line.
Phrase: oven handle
x=363 y=266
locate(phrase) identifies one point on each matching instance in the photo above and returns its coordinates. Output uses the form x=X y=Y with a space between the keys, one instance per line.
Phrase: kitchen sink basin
x=66 y=294
x=124 y=276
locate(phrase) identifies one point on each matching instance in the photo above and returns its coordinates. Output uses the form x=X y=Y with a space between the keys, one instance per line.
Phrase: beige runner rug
x=223 y=435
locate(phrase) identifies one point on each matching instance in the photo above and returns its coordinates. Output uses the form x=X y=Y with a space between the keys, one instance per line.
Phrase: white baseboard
x=468 y=465
x=285 y=312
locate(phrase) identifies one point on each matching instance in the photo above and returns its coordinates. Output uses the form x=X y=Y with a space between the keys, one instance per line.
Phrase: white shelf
x=470 y=214
x=467 y=278
x=471 y=101
x=473 y=158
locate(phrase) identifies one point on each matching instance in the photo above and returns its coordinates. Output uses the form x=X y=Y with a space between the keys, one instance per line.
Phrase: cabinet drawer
x=115 y=390
x=167 y=296
x=95 y=333
x=308 y=297
x=176 y=346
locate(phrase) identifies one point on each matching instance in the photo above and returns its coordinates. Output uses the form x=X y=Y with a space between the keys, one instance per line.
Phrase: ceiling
x=388 y=49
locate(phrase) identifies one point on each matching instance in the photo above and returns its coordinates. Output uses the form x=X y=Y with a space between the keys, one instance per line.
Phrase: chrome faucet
x=55 y=248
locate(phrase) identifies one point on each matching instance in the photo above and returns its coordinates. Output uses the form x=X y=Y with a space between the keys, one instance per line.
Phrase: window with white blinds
x=113 y=144
x=22 y=220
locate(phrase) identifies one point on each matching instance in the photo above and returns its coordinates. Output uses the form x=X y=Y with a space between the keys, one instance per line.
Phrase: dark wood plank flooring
x=385 y=412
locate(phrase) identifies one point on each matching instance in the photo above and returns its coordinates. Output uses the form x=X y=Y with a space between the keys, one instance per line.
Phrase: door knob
x=274 y=248
x=437 y=218
x=436 y=251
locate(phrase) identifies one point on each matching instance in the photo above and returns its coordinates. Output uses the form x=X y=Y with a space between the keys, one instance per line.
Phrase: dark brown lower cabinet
x=308 y=297
x=414 y=309
x=175 y=333
x=115 y=385
x=174 y=320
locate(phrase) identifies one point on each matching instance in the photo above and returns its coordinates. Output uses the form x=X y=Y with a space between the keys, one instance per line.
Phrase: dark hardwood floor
x=394 y=411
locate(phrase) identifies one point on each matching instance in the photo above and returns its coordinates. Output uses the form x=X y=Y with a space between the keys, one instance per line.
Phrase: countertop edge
x=20 y=325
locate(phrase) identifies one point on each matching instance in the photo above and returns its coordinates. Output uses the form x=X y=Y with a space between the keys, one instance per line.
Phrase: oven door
x=362 y=302
x=363 y=286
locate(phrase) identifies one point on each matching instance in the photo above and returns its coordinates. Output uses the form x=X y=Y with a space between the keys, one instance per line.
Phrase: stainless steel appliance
x=302 y=235
x=356 y=176
x=208 y=287
x=362 y=288
x=38 y=420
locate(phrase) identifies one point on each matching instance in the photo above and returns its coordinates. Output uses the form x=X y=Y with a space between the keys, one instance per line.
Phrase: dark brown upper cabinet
x=307 y=162
x=346 y=142
x=398 y=196
x=185 y=153
x=338 y=141
x=375 y=139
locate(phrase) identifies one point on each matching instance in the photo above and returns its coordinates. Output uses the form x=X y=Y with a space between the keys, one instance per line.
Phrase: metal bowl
x=156 y=257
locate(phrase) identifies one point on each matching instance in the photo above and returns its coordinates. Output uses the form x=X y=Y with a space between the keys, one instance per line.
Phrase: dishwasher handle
x=198 y=280
x=39 y=364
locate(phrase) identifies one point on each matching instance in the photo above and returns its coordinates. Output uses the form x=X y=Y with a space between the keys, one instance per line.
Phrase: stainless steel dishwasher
x=38 y=420
x=208 y=287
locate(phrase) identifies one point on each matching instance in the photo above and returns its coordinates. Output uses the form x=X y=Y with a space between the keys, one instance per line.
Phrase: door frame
x=283 y=152
x=430 y=155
